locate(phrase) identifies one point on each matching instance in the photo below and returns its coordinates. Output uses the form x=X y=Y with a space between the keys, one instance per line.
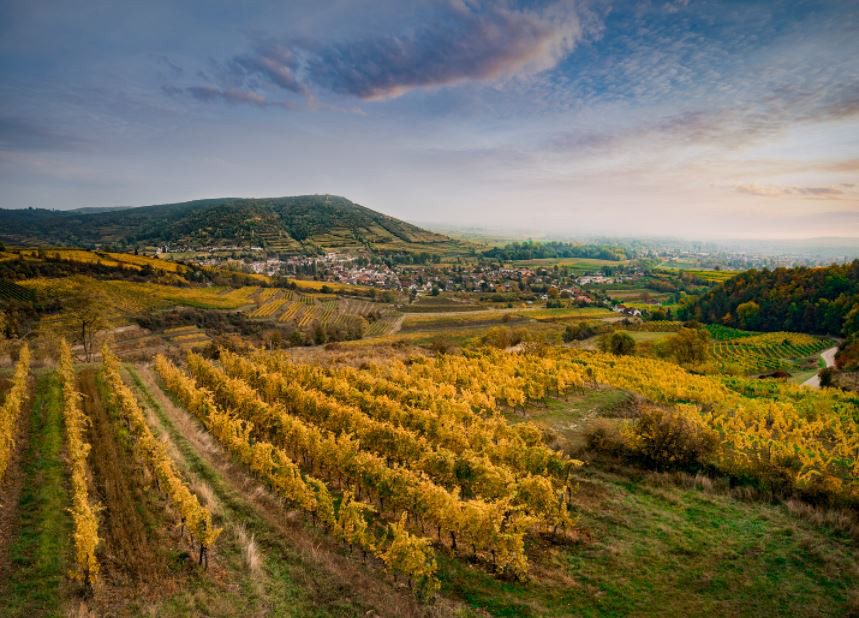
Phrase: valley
x=460 y=436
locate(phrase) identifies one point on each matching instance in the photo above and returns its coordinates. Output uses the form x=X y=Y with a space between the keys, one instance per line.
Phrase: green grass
x=802 y=376
x=40 y=549
x=568 y=417
x=642 y=336
x=647 y=550
x=657 y=548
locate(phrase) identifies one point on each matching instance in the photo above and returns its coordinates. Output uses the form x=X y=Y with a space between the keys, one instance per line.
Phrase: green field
x=637 y=294
x=576 y=264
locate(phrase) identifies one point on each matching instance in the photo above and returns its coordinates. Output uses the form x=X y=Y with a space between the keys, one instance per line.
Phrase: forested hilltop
x=811 y=300
x=288 y=225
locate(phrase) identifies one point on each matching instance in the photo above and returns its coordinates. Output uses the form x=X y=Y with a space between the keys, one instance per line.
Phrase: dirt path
x=828 y=357
x=12 y=483
x=126 y=548
x=327 y=574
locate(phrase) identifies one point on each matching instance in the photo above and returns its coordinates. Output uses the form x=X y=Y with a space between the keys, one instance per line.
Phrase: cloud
x=26 y=134
x=227 y=95
x=467 y=41
x=273 y=62
x=810 y=192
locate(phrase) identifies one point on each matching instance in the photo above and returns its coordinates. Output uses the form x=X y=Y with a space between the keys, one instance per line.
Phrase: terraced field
x=307 y=310
x=187 y=337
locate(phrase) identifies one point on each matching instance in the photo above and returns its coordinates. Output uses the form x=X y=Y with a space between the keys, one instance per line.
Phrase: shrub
x=617 y=342
x=442 y=344
x=672 y=438
x=605 y=436
x=579 y=331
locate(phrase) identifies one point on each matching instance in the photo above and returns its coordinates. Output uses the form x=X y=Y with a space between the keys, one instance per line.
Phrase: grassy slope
x=41 y=547
x=651 y=546
x=651 y=550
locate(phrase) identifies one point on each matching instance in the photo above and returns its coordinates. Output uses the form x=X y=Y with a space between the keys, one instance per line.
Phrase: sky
x=688 y=118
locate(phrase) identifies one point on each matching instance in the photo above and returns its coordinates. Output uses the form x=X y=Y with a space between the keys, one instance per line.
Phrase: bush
x=442 y=344
x=503 y=337
x=690 y=346
x=617 y=342
x=672 y=438
x=579 y=331
x=605 y=436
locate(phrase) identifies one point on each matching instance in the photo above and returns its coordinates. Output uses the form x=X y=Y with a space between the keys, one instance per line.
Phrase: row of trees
x=530 y=250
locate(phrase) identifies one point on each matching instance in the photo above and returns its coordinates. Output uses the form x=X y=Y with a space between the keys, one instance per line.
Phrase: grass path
x=41 y=545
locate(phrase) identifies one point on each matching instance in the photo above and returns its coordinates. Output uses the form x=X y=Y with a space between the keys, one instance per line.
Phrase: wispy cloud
x=809 y=192
x=467 y=41
x=228 y=95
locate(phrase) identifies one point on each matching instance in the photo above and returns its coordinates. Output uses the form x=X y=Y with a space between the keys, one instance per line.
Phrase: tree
x=747 y=314
x=690 y=346
x=617 y=342
x=578 y=332
x=86 y=307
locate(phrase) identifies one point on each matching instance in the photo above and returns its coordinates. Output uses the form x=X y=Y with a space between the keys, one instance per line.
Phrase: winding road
x=828 y=356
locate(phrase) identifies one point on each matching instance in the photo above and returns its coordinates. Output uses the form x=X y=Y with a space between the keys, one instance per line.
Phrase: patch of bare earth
x=135 y=537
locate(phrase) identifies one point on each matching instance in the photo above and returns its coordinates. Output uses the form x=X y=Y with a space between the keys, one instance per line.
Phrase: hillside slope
x=306 y=223
x=810 y=300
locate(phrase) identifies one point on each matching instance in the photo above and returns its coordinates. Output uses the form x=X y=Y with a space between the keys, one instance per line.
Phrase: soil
x=127 y=556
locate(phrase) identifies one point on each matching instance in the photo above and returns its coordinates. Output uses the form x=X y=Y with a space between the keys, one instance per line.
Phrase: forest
x=810 y=300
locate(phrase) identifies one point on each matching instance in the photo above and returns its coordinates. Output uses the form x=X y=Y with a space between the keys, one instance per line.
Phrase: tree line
x=530 y=250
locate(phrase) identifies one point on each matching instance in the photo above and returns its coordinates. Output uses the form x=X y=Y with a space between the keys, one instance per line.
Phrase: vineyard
x=413 y=467
x=128 y=298
x=83 y=510
x=103 y=258
x=13 y=291
x=755 y=353
x=307 y=311
x=802 y=438
x=370 y=437
x=10 y=410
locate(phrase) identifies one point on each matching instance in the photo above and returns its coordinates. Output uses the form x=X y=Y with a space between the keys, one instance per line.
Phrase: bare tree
x=86 y=308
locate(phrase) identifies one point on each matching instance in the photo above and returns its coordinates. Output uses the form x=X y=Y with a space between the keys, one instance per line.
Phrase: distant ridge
x=95 y=209
x=298 y=224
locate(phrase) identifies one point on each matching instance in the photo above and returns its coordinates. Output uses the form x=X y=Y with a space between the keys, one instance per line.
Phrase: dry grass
x=81 y=610
x=250 y=550
x=206 y=496
x=836 y=519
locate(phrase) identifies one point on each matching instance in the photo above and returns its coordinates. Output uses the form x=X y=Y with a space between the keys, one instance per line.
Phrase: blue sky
x=666 y=117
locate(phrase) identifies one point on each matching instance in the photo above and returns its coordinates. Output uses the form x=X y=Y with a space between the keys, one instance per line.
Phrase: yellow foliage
x=83 y=513
x=11 y=408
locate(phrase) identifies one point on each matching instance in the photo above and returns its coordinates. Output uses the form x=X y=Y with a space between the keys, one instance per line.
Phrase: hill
x=811 y=300
x=282 y=225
